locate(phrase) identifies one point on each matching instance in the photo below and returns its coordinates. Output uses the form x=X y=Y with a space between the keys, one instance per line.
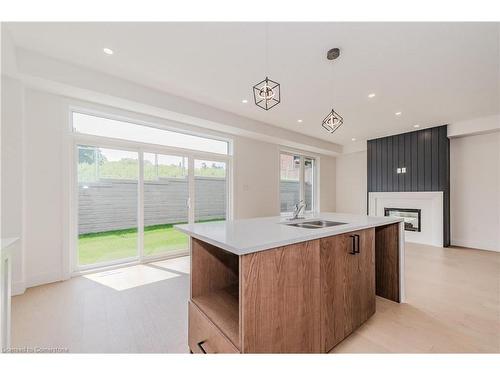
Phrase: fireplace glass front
x=411 y=217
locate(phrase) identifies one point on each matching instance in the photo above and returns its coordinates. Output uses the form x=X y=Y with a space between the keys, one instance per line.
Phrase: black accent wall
x=426 y=156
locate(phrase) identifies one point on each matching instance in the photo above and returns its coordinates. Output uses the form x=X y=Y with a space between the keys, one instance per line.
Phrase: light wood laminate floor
x=453 y=305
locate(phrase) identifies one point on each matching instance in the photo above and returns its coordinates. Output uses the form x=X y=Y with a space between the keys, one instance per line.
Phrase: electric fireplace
x=411 y=217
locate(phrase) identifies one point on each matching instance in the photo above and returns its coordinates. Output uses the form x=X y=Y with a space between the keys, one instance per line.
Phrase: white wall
x=256 y=179
x=351 y=183
x=328 y=191
x=12 y=174
x=45 y=122
x=475 y=191
x=256 y=171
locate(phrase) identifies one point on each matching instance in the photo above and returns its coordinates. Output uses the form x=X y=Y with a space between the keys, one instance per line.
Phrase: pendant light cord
x=266 y=38
x=332 y=78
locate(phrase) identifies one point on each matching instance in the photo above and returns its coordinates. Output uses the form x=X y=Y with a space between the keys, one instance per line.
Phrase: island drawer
x=204 y=336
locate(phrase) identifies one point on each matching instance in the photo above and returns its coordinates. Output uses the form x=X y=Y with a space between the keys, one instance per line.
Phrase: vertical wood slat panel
x=435 y=159
x=395 y=165
x=428 y=160
x=374 y=166
x=421 y=152
x=379 y=165
x=447 y=233
x=383 y=162
x=442 y=159
x=368 y=161
x=387 y=166
x=408 y=162
x=421 y=162
x=390 y=163
x=414 y=162
x=401 y=150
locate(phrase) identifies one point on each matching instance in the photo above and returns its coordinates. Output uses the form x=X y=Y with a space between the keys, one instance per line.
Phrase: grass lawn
x=119 y=244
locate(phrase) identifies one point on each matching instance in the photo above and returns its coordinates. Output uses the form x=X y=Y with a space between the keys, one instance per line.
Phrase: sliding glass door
x=107 y=205
x=166 y=203
x=210 y=178
x=115 y=196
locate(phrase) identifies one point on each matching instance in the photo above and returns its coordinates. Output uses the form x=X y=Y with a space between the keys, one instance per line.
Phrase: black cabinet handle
x=353 y=245
x=200 y=345
x=357 y=243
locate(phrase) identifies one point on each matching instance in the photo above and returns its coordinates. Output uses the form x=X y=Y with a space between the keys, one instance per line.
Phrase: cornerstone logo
x=35 y=349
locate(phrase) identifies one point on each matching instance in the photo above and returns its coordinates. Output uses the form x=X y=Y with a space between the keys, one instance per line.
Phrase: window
x=289 y=182
x=309 y=185
x=297 y=182
x=131 y=194
x=105 y=127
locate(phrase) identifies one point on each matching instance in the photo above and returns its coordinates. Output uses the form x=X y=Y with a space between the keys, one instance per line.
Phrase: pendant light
x=267 y=93
x=333 y=120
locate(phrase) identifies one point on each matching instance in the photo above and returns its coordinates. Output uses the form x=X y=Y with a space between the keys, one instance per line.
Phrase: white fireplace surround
x=429 y=202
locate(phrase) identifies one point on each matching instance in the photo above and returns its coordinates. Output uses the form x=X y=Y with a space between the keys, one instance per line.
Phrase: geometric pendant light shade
x=332 y=122
x=267 y=94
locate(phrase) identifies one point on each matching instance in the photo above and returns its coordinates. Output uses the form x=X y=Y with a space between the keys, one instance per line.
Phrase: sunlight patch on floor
x=181 y=264
x=130 y=277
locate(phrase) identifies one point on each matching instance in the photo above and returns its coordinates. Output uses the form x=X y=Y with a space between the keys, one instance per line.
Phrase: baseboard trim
x=43 y=278
x=18 y=288
x=468 y=245
x=426 y=244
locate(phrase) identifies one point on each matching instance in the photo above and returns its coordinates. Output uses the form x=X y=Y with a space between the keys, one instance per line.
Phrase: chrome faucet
x=299 y=207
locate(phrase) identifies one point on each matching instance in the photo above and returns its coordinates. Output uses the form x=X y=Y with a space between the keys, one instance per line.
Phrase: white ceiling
x=434 y=73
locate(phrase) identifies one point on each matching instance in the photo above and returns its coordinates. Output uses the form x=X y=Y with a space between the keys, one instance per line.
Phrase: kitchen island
x=271 y=285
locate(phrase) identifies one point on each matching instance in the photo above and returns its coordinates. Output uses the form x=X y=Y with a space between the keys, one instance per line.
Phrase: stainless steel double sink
x=315 y=224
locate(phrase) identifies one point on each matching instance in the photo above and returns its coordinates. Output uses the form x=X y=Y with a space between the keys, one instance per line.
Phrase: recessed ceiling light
x=108 y=51
x=372 y=95
x=244 y=101
x=416 y=126
x=299 y=120
x=398 y=113
x=353 y=139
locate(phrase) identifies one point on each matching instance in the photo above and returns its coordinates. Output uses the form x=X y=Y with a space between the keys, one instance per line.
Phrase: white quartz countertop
x=251 y=235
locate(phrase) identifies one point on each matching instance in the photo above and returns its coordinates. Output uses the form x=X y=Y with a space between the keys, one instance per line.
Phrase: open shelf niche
x=215 y=287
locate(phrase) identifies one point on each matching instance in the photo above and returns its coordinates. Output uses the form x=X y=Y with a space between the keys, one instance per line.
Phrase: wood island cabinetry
x=304 y=297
